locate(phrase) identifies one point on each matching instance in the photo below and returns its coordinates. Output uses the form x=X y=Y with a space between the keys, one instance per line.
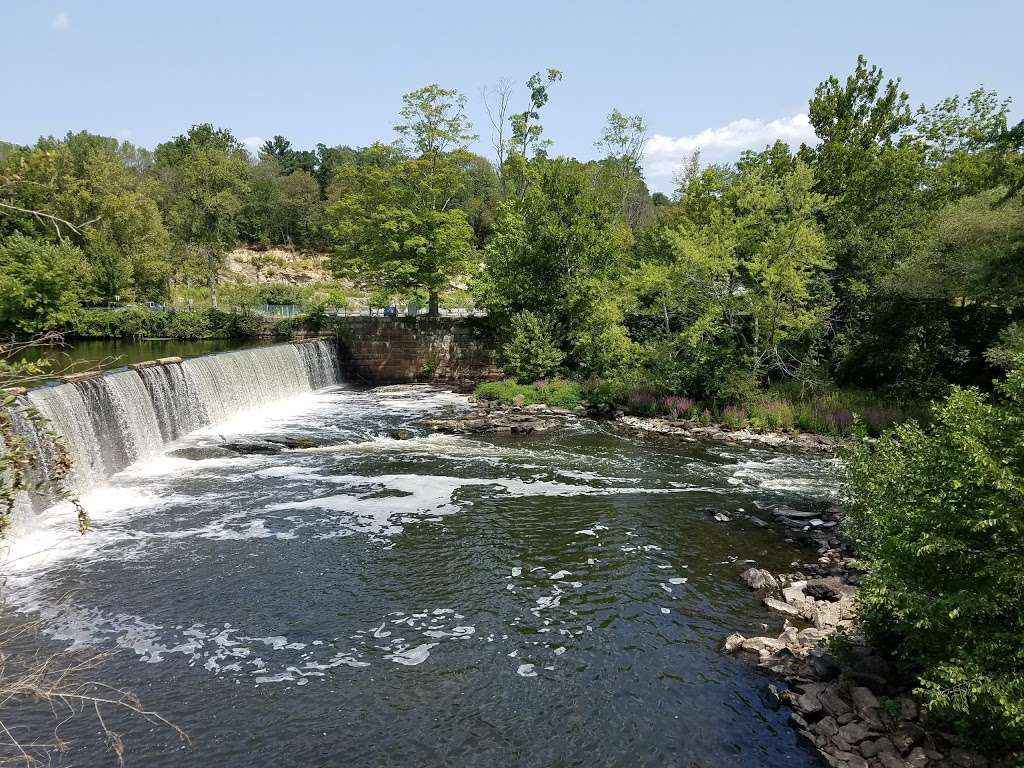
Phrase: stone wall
x=398 y=350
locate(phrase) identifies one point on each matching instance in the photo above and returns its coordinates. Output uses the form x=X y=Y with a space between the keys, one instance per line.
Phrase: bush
x=734 y=416
x=557 y=393
x=131 y=322
x=772 y=414
x=285 y=327
x=531 y=352
x=189 y=324
x=678 y=407
x=938 y=516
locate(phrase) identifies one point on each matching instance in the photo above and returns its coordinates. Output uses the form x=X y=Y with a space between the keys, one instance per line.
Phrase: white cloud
x=253 y=144
x=61 y=22
x=664 y=154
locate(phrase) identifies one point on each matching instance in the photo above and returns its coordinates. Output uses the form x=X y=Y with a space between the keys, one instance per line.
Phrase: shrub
x=772 y=414
x=131 y=322
x=642 y=401
x=609 y=393
x=678 y=407
x=734 y=416
x=41 y=284
x=531 y=352
x=286 y=327
x=506 y=391
x=189 y=324
x=938 y=516
x=557 y=393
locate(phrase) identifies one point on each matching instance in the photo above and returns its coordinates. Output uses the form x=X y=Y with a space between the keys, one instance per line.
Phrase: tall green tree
x=205 y=182
x=555 y=253
x=395 y=219
x=622 y=141
x=94 y=179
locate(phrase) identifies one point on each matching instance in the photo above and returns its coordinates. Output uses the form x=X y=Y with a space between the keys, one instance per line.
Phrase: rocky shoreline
x=489 y=417
x=690 y=431
x=847 y=701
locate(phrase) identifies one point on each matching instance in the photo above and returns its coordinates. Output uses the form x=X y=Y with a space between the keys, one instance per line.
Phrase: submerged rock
x=200 y=452
x=251 y=447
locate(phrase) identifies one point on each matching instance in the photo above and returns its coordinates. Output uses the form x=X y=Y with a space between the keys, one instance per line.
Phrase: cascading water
x=114 y=420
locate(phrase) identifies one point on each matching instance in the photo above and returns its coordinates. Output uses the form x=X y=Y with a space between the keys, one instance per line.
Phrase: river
x=545 y=600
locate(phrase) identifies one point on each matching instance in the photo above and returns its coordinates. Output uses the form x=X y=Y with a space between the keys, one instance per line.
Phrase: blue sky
x=723 y=76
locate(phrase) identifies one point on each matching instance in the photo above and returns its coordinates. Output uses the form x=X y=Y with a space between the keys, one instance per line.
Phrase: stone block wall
x=399 y=350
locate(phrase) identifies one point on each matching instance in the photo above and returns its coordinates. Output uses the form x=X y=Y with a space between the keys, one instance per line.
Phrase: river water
x=548 y=600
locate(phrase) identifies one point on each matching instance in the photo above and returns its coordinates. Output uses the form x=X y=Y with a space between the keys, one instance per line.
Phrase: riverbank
x=521 y=417
x=846 y=700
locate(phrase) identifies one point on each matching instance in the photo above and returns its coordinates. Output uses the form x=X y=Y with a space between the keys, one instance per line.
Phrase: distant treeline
x=886 y=255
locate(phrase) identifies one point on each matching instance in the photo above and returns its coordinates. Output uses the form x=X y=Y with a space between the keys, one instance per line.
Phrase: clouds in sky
x=61 y=22
x=664 y=154
x=253 y=144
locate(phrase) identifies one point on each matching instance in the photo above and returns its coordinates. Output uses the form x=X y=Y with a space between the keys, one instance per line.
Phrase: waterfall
x=113 y=420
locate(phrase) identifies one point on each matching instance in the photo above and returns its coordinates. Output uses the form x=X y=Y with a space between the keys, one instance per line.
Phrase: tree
x=388 y=232
x=525 y=140
x=289 y=159
x=498 y=114
x=41 y=283
x=783 y=259
x=554 y=252
x=531 y=352
x=623 y=140
x=96 y=180
x=395 y=219
x=204 y=176
x=872 y=171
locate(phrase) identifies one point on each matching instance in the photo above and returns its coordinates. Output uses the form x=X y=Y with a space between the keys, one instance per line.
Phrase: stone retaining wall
x=399 y=350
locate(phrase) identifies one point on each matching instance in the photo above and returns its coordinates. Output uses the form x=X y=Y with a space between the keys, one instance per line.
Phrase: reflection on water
x=502 y=601
x=88 y=354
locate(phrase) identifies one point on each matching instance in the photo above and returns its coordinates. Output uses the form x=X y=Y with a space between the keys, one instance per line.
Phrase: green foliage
x=285 y=327
x=41 y=284
x=204 y=177
x=554 y=252
x=189 y=324
x=937 y=515
x=531 y=352
x=556 y=393
x=132 y=322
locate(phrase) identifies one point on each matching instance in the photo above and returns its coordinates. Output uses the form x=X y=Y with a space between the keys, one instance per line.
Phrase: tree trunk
x=212 y=266
x=432 y=308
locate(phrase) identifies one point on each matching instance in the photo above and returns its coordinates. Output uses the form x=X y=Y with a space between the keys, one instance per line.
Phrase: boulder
x=891 y=760
x=781 y=607
x=863 y=699
x=907 y=736
x=833 y=701
x=964 y=759
x=917 y=758
x=871 y=748
x=823 y=664
x=827 y=728
x=846 y=759
x=734 y=643
x=401 y=434
x=294 y=443
x=854 y=733
x=758 y=578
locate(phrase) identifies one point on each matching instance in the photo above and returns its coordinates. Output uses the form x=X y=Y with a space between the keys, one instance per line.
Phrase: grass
x=556 y=393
